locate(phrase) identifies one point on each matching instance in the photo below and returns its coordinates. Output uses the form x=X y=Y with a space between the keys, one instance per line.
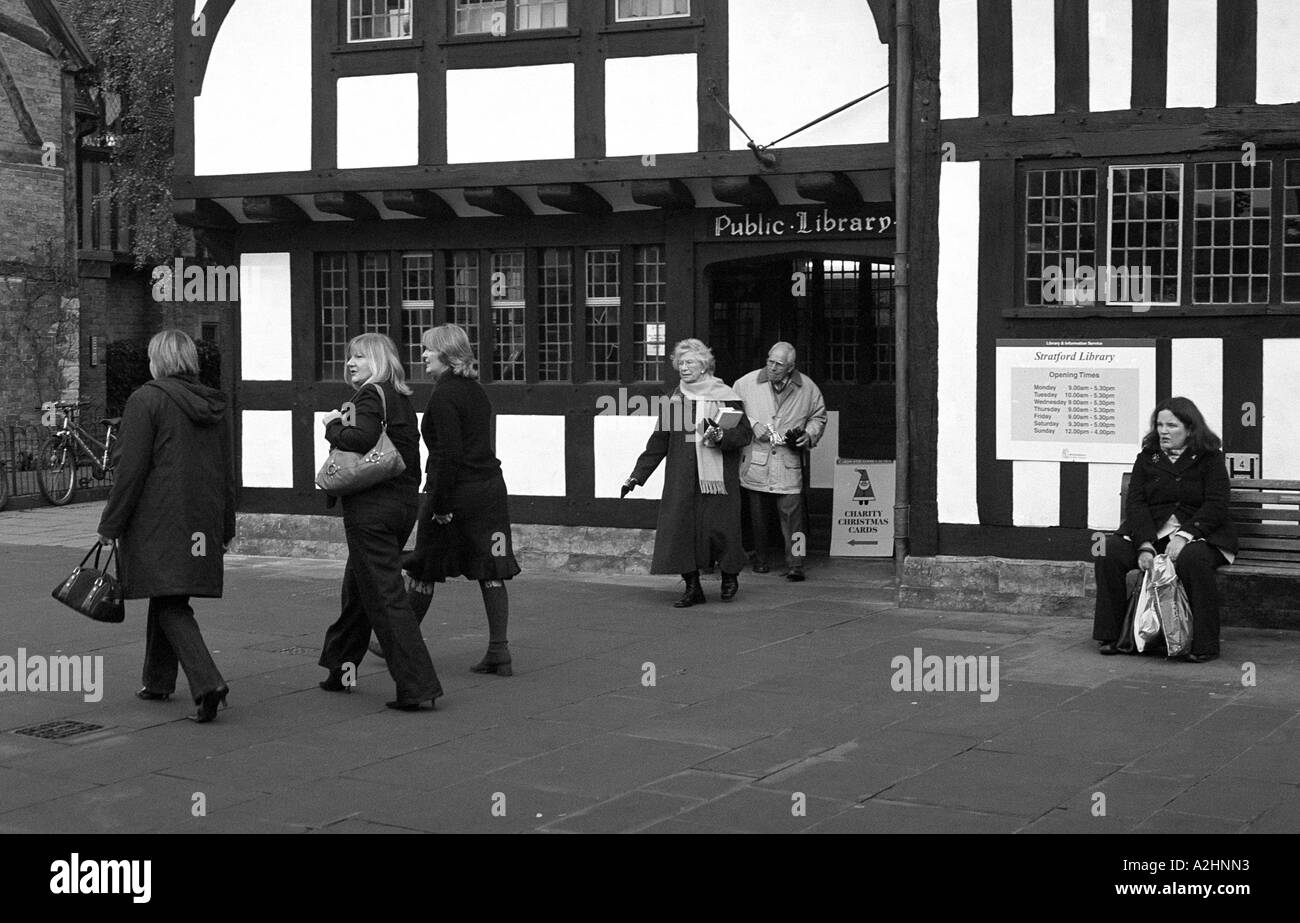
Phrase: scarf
x=708 y=394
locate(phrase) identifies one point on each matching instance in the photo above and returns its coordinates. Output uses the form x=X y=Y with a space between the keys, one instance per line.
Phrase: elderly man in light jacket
x=788 y=416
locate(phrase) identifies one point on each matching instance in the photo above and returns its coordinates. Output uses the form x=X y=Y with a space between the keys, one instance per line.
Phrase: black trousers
x=1195 y=568
x=374 y=596
x=172 y=638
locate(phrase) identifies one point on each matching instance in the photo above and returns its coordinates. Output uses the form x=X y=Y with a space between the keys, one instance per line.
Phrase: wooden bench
x=1260 y=587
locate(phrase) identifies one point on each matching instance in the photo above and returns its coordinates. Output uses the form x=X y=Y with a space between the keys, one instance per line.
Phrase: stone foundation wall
x=587 y=549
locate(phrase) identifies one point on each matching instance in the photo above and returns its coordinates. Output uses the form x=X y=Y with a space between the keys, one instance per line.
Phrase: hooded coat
x=172 y=506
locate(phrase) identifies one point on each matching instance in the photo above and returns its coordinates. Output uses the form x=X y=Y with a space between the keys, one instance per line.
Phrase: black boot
x=694 y=592
x=497 y=603
x=730 y=584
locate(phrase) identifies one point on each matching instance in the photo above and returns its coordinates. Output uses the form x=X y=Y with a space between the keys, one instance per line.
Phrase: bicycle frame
x=74 y=434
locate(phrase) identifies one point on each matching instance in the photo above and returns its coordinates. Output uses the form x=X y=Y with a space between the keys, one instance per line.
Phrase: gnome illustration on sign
x=864 y=491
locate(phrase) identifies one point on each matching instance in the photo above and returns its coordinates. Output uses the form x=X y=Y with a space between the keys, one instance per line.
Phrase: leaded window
x=462 y=293
x=332 y=329
x=378 y=20
x=603 y=304
x=508 y=310
x=555 y=330
x=1060 y=233
x=1146 y=209
x=417 y=310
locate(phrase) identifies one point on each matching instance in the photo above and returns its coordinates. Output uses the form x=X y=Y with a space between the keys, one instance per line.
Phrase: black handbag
x=93 y=592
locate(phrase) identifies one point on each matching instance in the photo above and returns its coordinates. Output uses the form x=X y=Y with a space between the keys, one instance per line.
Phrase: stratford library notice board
x=1074 y=400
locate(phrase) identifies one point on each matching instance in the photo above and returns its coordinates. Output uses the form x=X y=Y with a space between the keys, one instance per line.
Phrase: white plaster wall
x=379 y=121
x=652 y=105
x=1196 y=373
x=1035 y=493
x=1277 y=76
x=792 y=62
x=959 y=71
x=1193 y=53
x=510 y=113
x=618 y=442
x=1033 y=57
x=267 y=448
x=1110 y=54
x=265 y=317
x=1104 y=482
x=531 y=449
x=957 y=303
x=1281 y=410
x=254 y=115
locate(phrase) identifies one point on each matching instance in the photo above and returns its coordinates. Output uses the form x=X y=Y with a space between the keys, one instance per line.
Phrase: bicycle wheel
x=56 y=465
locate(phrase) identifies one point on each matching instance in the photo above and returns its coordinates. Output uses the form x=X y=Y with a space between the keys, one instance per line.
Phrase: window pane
x=652 y=9
x=1291 y=233
x=475 y=16
x=555 y=331
x=1060 y=232
x=541 y=14
x=508 y=310
x=840 y=315
x=1144 y=227
x=417 y=310
x=650 y=327
x=1226 y=238
x=374 y=292
x=462 y=293
x=374 y=20
x=332 y=327
x=603 y=304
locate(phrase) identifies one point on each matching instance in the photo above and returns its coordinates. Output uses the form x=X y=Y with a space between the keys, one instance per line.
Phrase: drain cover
x=57 y=730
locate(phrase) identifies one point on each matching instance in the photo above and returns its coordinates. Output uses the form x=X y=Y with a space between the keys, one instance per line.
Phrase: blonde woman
x=699 y=515
x=174 y=481
x=464 y=521
x=377 y=522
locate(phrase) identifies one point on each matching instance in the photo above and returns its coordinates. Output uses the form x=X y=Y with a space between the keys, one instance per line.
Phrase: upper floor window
x=494 y=17
x=378 y=20
x=1195 y=235
x=634 y=10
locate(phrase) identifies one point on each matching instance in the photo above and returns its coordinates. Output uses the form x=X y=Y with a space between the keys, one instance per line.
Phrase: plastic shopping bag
x=1171 y=607
x=1146 y=615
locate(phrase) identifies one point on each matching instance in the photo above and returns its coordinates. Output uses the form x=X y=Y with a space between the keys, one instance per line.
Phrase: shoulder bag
x=347 y=473
x=93 y=592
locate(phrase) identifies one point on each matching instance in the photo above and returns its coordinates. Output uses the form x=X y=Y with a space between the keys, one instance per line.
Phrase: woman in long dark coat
x=1177 y=505
x=377 y=521
x=172 y=511
x=464 y=521
x=699 y=513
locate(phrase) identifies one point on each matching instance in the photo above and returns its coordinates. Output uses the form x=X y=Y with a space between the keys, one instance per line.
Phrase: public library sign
x=793 y=222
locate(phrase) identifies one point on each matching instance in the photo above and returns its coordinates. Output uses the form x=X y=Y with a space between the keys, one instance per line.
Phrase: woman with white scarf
x=699 y=514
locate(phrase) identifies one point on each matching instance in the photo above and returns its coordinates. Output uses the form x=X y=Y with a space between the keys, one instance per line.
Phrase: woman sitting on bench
x=1177 y=505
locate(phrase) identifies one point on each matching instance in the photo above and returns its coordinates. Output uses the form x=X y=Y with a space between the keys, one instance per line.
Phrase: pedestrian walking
x=172 y=511
x=788 y=415
x=463 y=525
x=699 y=514
x=377 y=521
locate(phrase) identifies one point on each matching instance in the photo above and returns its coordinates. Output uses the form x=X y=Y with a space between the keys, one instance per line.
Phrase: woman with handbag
x=377 y=521
x=464 y=518
x=1177 y=505
x=172 y=512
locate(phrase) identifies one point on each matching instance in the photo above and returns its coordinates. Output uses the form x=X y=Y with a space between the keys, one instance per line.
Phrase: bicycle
x=70 y=445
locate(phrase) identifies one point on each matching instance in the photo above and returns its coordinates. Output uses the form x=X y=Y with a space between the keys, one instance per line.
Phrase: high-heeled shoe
x=334 y=683
x=497 y=662
x=414 y=706
x=149 y=696
x=730 y=584
x=208 y=703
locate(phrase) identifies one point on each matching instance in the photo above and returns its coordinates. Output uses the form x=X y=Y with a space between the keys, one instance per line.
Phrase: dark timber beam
x=662 y=193
x=574 y=197
x=273 y=208
x=877 y=185
x=28 y=35
x=202 y=213
x=348 y=204
x=10 y=86
x=499 y=200
x=418 y=202
x=832 y=188
x=749 y=191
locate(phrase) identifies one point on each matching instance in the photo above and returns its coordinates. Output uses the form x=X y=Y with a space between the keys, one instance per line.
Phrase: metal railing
x=20 y=445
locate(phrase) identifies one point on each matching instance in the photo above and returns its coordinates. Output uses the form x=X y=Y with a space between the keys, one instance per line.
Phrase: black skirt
x=476 y=544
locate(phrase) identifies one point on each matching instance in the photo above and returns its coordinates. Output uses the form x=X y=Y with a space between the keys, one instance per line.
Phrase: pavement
x=774 y=713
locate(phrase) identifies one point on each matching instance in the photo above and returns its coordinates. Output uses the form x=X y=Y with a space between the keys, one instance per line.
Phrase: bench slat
x=1255 y=514
x=1266 y=554
x=1269 y=544
x=1259 y=496
x=1265 y=484
x=1269 y=530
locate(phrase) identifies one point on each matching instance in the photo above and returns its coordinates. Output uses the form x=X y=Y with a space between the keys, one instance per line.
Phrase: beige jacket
x=777 y=469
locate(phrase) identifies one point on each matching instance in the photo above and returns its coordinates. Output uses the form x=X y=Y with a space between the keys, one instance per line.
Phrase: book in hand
x=728 y=417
